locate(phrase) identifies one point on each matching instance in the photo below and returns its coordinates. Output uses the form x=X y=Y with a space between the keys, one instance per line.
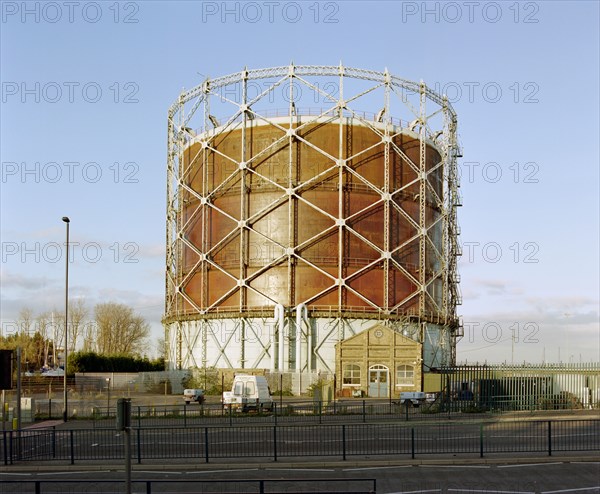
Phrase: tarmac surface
x=498 y=473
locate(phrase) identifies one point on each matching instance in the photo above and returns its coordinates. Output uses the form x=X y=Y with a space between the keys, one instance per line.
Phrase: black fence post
x=206 y=444
x=185 y=415
x=139 y=445
x=364 y=412
x=10 y=447
x=72 y=444
x=5 y=447
x=344 y=442
x=54 y=442
x=38 y=487
x=139 y=417
x=412 y=442
x=275 y=412
x=148 y=487
x=549 y=438
x=49 y=408
x=261 y=486
x=275 y=443
x=481 y=441
x=406 y=408
x=281 y=390
x=320 y=412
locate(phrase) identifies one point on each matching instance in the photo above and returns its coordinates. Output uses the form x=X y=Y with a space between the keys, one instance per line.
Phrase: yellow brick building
x=376 y=362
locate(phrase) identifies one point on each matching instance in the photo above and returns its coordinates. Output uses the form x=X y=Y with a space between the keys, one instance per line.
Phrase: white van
x=248 y=393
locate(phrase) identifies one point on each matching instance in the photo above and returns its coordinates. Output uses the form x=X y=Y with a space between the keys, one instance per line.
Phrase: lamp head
x=66 y=219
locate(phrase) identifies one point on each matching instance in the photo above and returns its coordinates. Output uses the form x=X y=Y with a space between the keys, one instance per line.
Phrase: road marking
x=596 y=488
x=530 y=465
x=374 y=468
x=18 y=474
x=40 y=474
x=302 y=469
x=469 y=490
x=454 y=466
x=221 y=471
x=162 y=472
x=415 y=492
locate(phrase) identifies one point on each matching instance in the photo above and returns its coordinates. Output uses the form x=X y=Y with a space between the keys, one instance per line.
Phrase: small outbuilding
x=377 y=362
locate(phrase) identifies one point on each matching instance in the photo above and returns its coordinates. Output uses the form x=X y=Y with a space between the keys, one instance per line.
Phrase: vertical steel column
x=386 y=197
x=244 y=206
x=178 y=220
x=446 y=222
x=341 y=213
x=422 y=220
x=204 y=338
x=205 y=238
x=422 y=206
x=170 y=278
x=291 y=238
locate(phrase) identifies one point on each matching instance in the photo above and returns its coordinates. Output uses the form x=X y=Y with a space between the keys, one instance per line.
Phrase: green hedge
x=94 y=362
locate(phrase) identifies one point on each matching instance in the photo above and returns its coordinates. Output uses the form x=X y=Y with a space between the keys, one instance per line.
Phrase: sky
x=85 y=91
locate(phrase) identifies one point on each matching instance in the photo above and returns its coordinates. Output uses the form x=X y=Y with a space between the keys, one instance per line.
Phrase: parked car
x=53 y=372
x=431 y=397
x=196 y=395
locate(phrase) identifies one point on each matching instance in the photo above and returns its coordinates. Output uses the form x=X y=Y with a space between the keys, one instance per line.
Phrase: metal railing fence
x=307 y=412
x=352 y=486
x=325 y=440
x=287 y=412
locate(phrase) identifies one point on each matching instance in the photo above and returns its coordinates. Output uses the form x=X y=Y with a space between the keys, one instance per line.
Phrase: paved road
x=508 y=478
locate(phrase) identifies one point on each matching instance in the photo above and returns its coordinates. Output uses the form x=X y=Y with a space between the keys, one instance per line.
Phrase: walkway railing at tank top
x=331 y=311
x=305 y=112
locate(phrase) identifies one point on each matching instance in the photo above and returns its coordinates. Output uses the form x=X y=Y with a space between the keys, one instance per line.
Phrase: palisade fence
x=206 y=444
x=521 y=386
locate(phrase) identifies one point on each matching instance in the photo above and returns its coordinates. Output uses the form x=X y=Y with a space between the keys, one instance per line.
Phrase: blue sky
x=85 y=93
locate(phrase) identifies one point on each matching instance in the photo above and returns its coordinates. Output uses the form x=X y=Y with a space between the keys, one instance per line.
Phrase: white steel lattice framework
x=291 y=230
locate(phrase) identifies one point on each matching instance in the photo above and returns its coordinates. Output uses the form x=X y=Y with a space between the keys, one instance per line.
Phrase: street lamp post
x=67 y=221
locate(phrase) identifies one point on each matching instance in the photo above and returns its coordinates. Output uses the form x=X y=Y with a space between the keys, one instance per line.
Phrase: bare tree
x=25 y=320
x=57 y=333
x=119 y=330
x=161 y=347
x=77 y=314
x=44 y=329
x=25 y=340
x=89 y=337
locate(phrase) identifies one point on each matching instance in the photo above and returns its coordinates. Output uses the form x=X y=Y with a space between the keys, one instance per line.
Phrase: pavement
x=165 y=465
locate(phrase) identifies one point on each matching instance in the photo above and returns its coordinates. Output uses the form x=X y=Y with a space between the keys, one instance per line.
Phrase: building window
x=405 y=375
x=351 y=376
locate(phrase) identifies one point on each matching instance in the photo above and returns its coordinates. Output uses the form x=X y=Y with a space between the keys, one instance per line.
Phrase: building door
x=379 y=381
